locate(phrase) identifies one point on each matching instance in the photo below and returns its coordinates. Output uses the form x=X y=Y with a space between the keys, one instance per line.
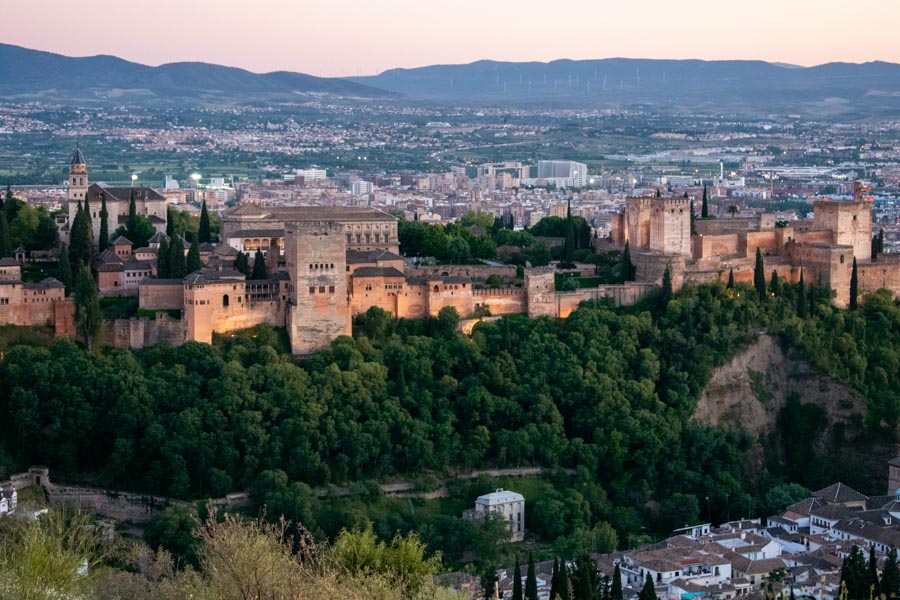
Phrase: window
x=358 y=238
x=348 y=238
x=312 y=289
x=331 y=289
x=225 y=300
x=321 y=289
x=4 y=301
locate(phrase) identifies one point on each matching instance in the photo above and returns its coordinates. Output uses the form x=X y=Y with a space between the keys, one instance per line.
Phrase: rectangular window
x=321 y=289
x=331 y=289
x=348 y=238
x=312 y=290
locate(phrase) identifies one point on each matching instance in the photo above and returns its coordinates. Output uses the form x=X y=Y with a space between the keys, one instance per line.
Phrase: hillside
x=37 y=74
x=661 y=84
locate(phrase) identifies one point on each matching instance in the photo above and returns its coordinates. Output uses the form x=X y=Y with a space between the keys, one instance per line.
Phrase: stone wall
x=501 y=301
x=850 y=221
x=477 y=272
x=670 y=226
x=145 y=332
x=161 y=294
x=882 y=273
x=706 y=246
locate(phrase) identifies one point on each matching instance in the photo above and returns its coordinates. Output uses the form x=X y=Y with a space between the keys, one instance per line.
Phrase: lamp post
x=133 y=178
x=195 y=179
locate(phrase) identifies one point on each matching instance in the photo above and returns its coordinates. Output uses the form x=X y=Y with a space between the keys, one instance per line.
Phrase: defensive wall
x=144 y=332
x=477 y=272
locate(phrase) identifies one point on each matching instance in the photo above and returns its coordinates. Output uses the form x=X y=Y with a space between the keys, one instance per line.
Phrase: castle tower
x=670 y=226
x=78 y=177
x=851 y=222
x=316 y=257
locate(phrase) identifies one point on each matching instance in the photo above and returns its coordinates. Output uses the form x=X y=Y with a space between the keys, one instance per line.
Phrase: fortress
x=658 y=231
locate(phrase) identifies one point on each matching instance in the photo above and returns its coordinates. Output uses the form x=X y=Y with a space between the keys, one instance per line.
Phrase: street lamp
x=133 y=178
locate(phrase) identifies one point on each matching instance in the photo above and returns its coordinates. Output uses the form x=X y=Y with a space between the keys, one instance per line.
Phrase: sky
x=364 y=37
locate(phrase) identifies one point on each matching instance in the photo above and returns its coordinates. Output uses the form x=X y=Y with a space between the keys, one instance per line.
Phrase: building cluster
x=505 y=504
x=824 y=248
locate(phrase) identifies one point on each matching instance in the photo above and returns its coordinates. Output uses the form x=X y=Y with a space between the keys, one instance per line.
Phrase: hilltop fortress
x=658 y=231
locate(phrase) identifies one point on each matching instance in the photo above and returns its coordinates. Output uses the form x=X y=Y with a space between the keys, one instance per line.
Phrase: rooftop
x=500 y=496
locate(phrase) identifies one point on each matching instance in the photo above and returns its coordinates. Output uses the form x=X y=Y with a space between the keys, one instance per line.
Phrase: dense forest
x=604 y=398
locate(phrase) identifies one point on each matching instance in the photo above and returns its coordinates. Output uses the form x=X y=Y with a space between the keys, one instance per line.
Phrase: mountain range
x=688 y=85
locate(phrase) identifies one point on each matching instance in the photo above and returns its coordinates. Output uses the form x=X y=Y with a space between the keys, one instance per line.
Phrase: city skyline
x=337 y=38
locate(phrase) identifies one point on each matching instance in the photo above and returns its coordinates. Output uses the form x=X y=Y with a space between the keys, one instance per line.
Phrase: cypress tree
x=648 y=592
x=242 y=263
x=730 y=284
x=872 y=568
x=177 y=266
x=881 y=241
x=854 y=287
x=517 y=581
x=565 y=584
x=531 y=591
x=103 y=241
x=568 y=260
x=6 y=248
x=616 y=589
x=890 y=575
x=775 y=283
x=87 y=307
x=658 y=193
x=87 y=212
x=759 y=276
x=81 y=242
x=802 y=306
x=170 y=222
x=628 y=271
x=65 y=269
x=855 y=575
x=259 y=266
x=586 y=583
x=162 y=260
x=193 y=262
x=203 y=233
x=693 y=216
x=554 y=580
x=131 y=223
x=665 y=294
x=874 y=248
x=704 y=208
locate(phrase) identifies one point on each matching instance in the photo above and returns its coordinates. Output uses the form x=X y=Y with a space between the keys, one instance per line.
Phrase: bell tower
x=78 y=177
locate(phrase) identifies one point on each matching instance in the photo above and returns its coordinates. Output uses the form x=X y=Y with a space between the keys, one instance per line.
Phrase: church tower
x=78 y=177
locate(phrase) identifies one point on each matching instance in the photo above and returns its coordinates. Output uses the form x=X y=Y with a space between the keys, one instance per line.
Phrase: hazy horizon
x=345 y=38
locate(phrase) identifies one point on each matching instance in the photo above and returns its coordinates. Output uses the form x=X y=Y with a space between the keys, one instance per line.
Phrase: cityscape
x=512 y=327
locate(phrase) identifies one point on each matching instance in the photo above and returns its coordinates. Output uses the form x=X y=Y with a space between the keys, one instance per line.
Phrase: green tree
x=131 y=223
x=775 y=284
x=704 y=208
x=458 y=249
x=176 y=531
x=872 y=569
x=163 y=255
x=648 y=592
x=730 y=284
x=554 y=580
x=854 y=287
x=733 y=210
x=65 y=269
x=103 y=240
x=628 y=270
x=531 y=591
x=890 y=575
x=568 y=256
x=6 y=249
x=616 y=589
x=177 y=265
x=759 y=276
x=855 y=575
x=802 y=302
x=170 y=222
x=517 y=581
x=665 y=293
x=259 y=266
x=81 y=242
x=193 y=263
x=242 y=263
x=203 y=231
x=87 y=307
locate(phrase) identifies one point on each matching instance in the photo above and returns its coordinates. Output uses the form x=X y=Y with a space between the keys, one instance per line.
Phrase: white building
x=8 y=500
x=311 y=174
x=361 y=188
x=563 y=169
x=507 y=504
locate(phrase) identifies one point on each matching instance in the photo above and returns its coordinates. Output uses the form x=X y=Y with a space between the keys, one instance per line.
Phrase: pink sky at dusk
x=363 y=37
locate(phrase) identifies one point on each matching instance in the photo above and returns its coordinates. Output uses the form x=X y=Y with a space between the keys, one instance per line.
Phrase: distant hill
x=678 y=84
x=37 y=74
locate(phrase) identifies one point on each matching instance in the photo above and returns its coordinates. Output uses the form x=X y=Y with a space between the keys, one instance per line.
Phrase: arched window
x=842 y=259
x=225 y=300
x=437 y=289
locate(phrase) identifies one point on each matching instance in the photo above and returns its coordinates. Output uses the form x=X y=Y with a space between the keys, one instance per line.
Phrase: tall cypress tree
x=65 y=269
x=193 y=262
x=855 y=575
x=517 y=581
x=531 y=591
x=177 y=266
x=872 y=569
x=802 y=306
x=648 y=592
x=775 y=283
x=6 y=248
x=203 y=232
x=132 y=221
x=568 y=260
x=704 y=208
x=565 y=584
x=616 y=589
x=628 y=270
x=665 y=294
x=586 y=585
x=87 y=307
x=890 y=575
x=730 y=284
x=658 y=193
x=81 y=242
x=170 y=222
x=103 y=241
x=242 y=263
x=854 y=287
x=759 y=276
x=162 y=260
x=881 y=241
x=554 y=580
x=259 y=266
